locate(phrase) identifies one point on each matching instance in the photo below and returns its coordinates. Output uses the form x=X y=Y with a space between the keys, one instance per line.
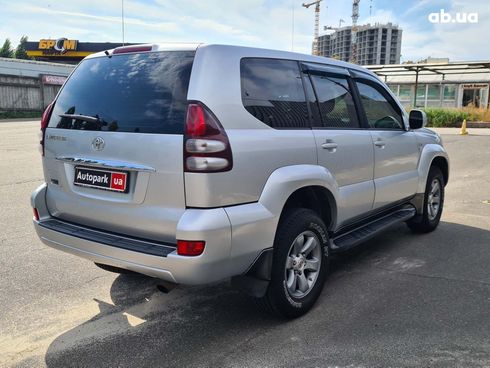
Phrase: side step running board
x=356 y=236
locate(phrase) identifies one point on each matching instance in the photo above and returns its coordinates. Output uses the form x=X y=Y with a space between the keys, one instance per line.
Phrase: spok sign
x=61 y=45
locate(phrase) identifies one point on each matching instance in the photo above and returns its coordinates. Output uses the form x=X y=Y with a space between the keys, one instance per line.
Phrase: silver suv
x=196 y=164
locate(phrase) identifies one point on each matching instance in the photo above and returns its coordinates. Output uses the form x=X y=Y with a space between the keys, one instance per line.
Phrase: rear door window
x=139 y=93
x=272 y=91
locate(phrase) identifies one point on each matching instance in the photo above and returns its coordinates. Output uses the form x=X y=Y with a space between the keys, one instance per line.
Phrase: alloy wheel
x=303 y=264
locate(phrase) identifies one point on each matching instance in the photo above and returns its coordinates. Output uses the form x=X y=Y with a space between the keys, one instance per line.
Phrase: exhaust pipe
x=166 y=286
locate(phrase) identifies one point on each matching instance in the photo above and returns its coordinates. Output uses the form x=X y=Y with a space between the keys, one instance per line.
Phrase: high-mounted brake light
x=206 y=145
x=190 y=248
x=132 y=48
x=44 y=124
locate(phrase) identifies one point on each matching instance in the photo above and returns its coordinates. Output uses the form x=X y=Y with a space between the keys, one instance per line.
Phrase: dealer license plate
x=101 y=179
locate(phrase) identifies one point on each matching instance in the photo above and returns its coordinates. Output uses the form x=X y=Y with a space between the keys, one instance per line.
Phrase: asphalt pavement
x=401 y=300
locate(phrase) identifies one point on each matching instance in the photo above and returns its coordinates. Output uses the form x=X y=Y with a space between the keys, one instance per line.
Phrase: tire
x=115 y=269
x=300 y=246
x=431 y=214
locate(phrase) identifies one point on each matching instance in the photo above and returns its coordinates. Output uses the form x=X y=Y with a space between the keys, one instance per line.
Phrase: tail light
x=190 y=247
x=44 y=125
x=35 y=214
x=206 y=145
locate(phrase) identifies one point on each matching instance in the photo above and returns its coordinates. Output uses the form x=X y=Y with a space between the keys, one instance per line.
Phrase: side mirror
x=417 y=119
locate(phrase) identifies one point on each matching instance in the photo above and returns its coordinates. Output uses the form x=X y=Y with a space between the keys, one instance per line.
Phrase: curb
x=20 y=120
x=478 y=124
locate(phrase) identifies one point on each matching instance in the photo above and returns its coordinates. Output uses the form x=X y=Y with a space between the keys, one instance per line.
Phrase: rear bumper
x=213 y=226
x=96 y=252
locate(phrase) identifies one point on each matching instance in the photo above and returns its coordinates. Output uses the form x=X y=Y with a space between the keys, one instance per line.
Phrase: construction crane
x=355 y=17
x=316 y=32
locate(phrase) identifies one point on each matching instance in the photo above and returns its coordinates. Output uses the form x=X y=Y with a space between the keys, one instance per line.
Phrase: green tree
x=6 y=50
x=20 y=51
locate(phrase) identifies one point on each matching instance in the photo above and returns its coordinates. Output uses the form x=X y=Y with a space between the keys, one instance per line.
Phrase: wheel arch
x=432 y=154
x=306 y=185
x=443 y=165
x=314 y=197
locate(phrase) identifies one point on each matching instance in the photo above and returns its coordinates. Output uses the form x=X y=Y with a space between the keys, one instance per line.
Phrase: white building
x=447 y=84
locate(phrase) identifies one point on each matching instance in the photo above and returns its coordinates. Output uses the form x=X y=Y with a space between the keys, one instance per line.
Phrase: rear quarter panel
x=257 y=149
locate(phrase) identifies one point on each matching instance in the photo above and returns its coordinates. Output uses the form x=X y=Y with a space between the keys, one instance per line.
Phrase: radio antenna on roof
x=122 y=20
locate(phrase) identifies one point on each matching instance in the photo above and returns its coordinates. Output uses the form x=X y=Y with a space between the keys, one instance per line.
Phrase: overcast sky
x=262 y=23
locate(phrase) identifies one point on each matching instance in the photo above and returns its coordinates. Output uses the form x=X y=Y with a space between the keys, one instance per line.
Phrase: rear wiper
x=87 y=118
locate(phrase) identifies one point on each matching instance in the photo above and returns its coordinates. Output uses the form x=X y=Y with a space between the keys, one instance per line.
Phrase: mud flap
x=256 y=280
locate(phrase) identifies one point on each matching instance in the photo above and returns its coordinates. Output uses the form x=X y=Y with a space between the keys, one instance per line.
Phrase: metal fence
x=30 y=85
x=20 y=93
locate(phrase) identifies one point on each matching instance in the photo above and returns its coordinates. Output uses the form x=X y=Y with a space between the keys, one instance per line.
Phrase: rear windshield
x=140 y=93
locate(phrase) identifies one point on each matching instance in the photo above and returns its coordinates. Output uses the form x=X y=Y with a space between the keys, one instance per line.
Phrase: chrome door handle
x=330 y=146
x=380 y=144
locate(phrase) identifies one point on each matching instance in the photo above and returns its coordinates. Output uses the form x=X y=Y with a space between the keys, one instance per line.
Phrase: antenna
x=370 y=7
x=122 y=20
x=292 y=25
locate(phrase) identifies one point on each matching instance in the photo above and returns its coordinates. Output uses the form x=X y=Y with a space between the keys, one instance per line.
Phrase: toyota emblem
x=98 y=144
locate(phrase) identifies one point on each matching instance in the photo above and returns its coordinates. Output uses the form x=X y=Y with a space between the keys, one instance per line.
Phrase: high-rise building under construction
x=375 y=44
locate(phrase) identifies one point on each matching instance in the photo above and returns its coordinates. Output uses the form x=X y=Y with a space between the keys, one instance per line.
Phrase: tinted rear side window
x=272 y=91
x=141 y=93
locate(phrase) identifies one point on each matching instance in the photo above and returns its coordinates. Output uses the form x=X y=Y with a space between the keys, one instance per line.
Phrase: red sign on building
x=53 y=79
